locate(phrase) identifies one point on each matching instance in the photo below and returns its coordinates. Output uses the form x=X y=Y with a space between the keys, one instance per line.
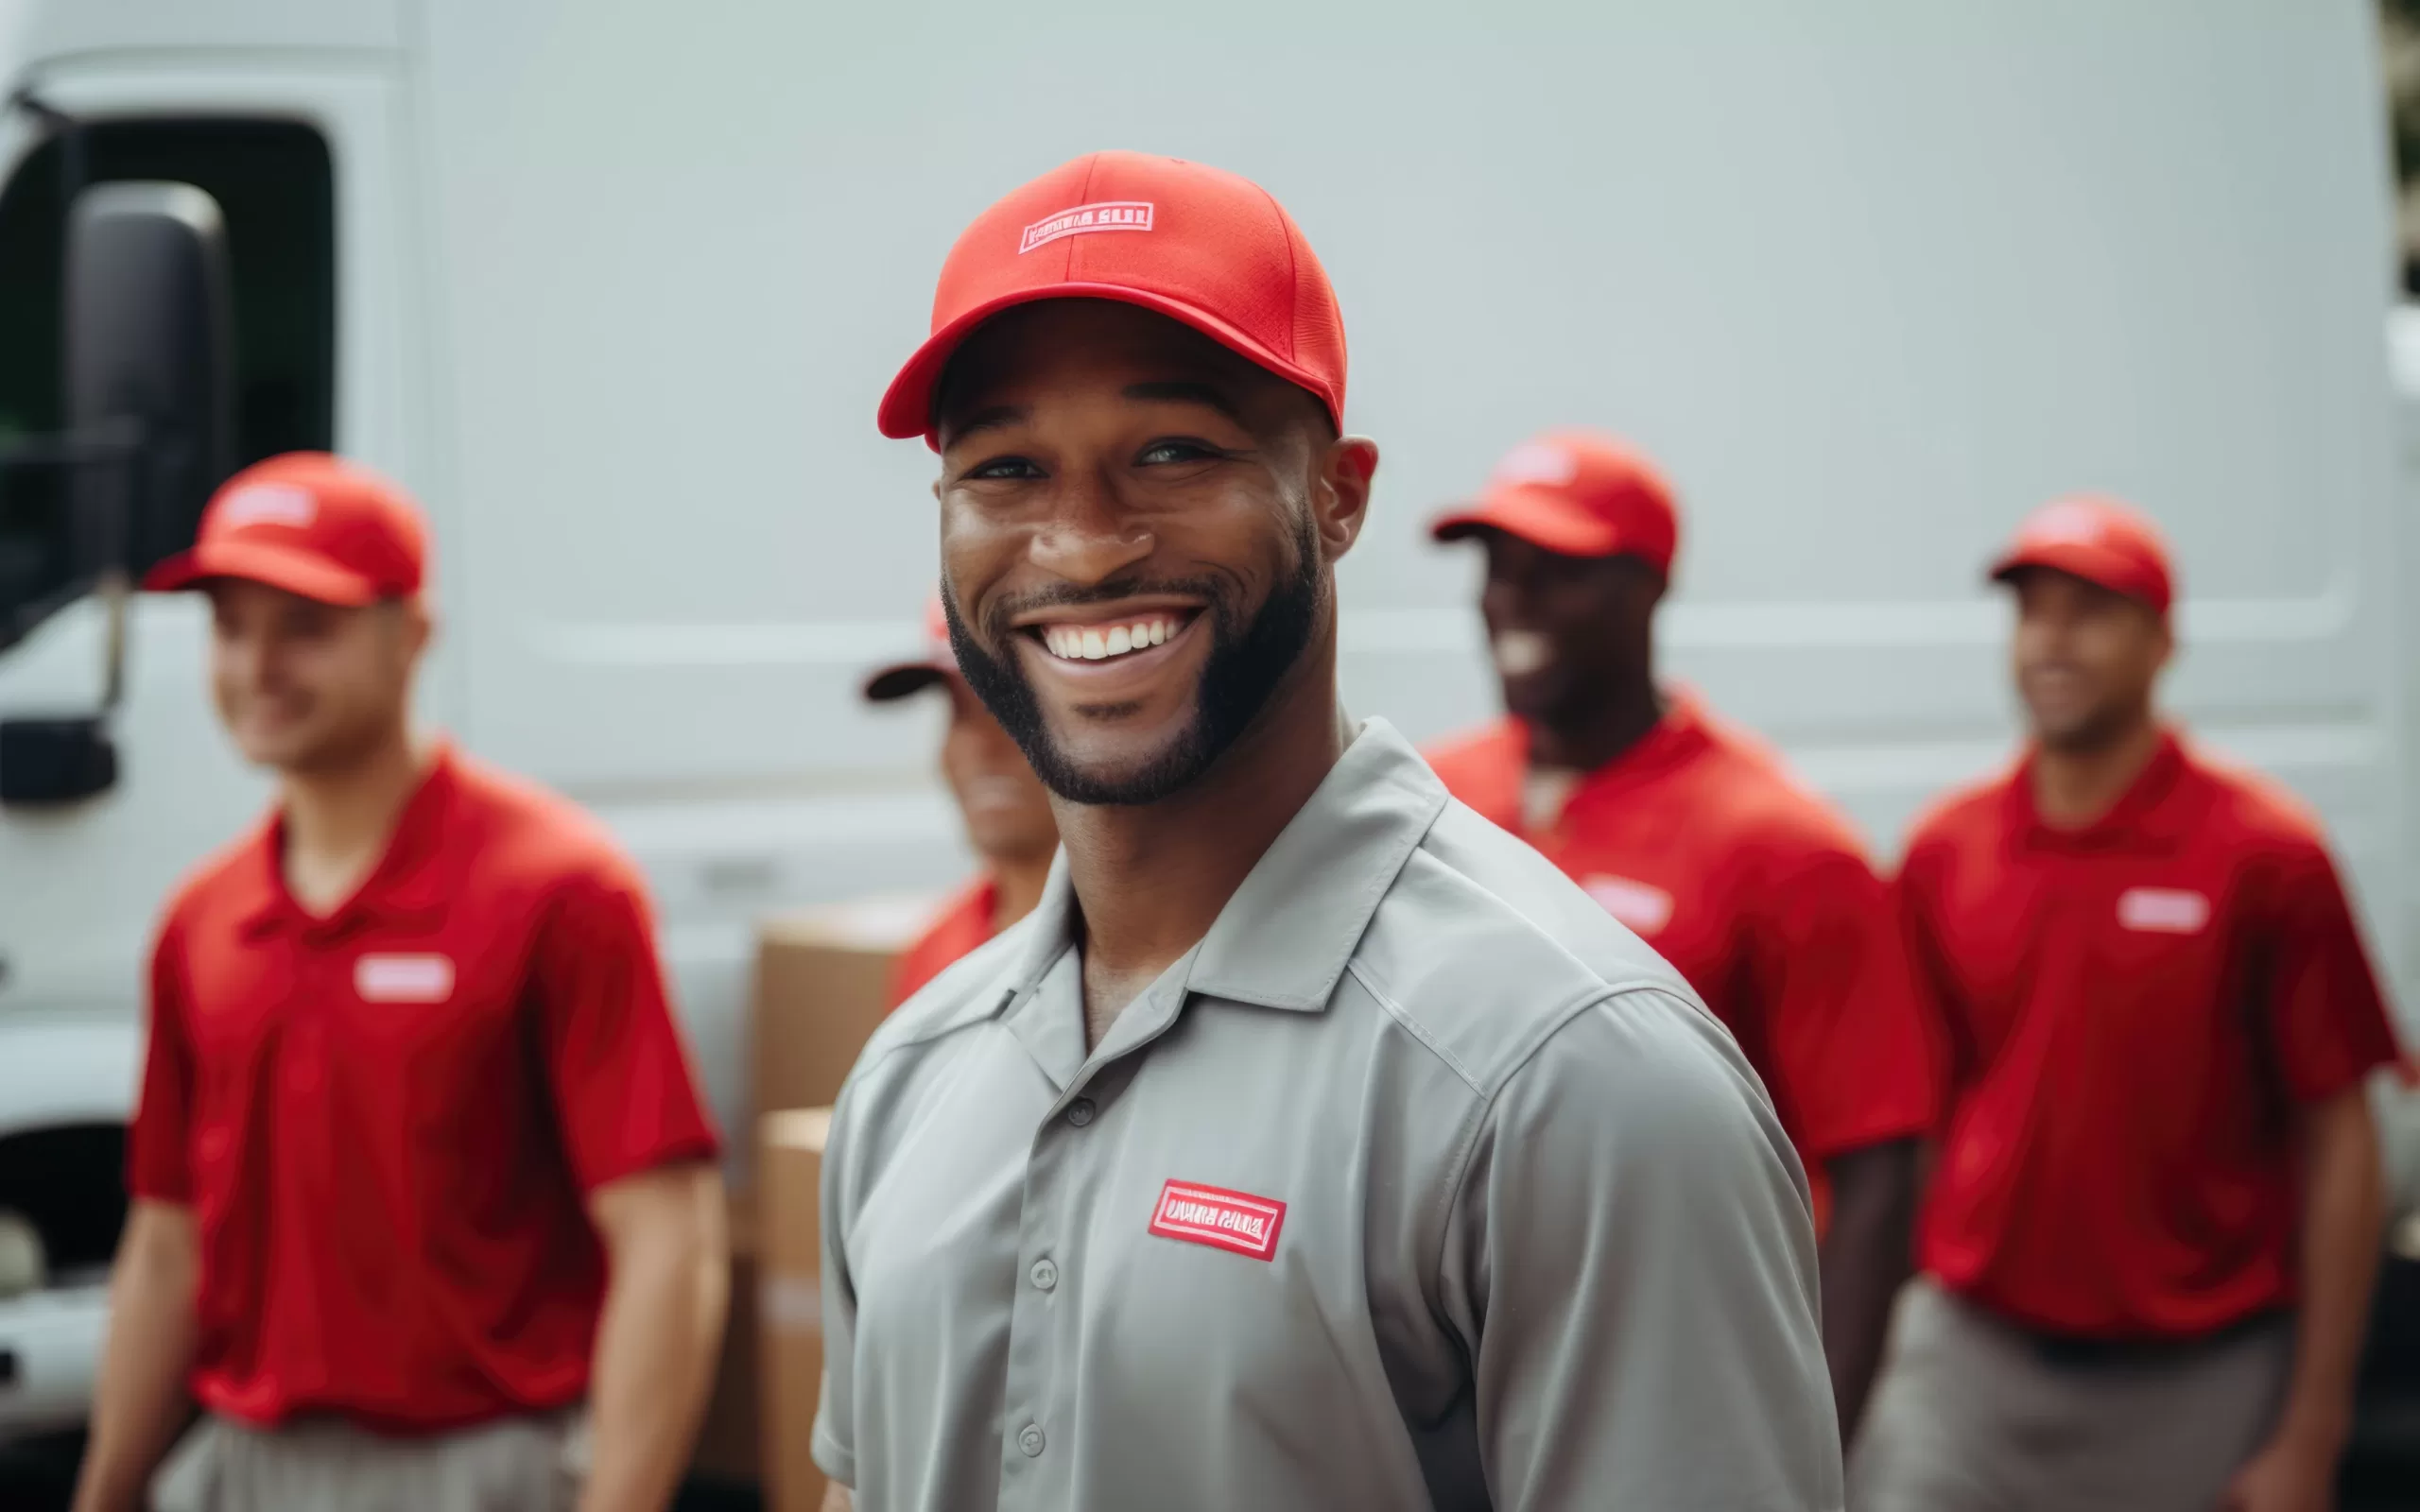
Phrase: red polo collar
x=406 y=887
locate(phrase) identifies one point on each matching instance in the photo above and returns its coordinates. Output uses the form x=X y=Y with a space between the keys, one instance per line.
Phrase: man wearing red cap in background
x=1313 y=1145
x=1005 y=809
x=419 y=1165
x=2154 y=1222
x=1695 y=835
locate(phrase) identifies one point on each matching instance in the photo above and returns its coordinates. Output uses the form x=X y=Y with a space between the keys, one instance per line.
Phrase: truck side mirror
x=147 y=337
x=148 y=356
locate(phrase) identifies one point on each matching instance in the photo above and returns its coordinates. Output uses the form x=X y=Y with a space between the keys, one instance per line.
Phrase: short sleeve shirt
x=1416 y=1183
x=964 y=921
x=1700 y=840
x=2133 y=1012
x=386 y=1120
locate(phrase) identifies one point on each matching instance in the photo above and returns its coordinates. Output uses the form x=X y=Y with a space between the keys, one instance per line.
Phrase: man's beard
x=1245 y=666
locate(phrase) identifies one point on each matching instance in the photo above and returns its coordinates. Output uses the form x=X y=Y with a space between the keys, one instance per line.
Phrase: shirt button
x=1080 y=1113
x=1046 y=1274
x=1030 y=1441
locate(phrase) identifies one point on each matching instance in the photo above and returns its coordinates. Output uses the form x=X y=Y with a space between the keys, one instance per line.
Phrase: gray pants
x=1973 y=1414
x=327 y=1465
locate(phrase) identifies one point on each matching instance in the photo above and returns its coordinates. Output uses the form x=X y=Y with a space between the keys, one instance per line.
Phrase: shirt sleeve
x=624 y=1096
x=1849 y=1045
x=1631 y=1263
x=2327 y=1018
x=159 y=1146
x=835 y=1438
x=1953 y=1060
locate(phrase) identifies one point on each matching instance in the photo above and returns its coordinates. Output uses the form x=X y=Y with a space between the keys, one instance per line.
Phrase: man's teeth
x=1518 y=653
x=1091 y=643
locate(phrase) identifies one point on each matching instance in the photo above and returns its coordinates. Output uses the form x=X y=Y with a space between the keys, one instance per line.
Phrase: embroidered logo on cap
x=2162 y=910
x=2063 y=525
x=1541 y=462
x=1107 y=214
x=277 y=504
x=403 y=978
x=1644 y=908
x=1223 y=1220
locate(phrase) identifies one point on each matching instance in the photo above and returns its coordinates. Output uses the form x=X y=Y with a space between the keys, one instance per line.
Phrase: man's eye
x=1004 y=467
x=1176 y=450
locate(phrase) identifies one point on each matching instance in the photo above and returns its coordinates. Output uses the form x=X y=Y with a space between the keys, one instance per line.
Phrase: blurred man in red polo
x=1694 y=835
x=2153 y=1223
x=1005 y=807
x=418 y=1166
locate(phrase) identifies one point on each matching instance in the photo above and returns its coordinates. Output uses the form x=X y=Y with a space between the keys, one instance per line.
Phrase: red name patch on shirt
x=1235 y=1221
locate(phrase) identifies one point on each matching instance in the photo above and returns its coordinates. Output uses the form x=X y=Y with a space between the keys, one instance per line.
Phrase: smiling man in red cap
x=2153 y=1223
x=1313 y=1145
x=1005 y=809
x=1694 y=835
x=419 y=1167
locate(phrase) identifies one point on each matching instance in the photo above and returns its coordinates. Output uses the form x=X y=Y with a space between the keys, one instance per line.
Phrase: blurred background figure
x=422 y=1184
x=2153 y=1232
x=1693 y=834
x=1005 y=809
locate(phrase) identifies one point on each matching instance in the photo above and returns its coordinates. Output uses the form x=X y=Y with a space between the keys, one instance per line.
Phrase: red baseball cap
x=1196 y=244
x=901 y=678
x=1577 y=492
x=2098 y=539
x=310 y=523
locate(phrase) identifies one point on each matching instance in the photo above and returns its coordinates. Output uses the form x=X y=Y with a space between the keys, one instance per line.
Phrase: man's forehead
x=2036 y=583
x=248 y=596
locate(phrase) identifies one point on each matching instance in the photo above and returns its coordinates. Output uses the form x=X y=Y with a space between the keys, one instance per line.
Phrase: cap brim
x=304 y=574
x=1541 y=517
x=907 y=406
x=904 y=681
x=2094 y=564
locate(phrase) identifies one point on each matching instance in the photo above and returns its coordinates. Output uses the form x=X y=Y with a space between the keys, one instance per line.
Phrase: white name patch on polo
x=1645 y=909
x=2162 y=910
x=404 y=978
x=1235 y=1221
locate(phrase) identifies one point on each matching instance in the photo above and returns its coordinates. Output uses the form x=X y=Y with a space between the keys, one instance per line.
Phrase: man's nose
x=1090 y=537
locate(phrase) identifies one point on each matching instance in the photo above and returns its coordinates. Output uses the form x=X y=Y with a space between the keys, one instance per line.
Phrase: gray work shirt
x=1419 y=1182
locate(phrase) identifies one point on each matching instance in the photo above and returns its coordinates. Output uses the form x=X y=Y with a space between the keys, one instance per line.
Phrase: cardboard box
x=823 y=984
x=729 y=1450
x=789 y=1302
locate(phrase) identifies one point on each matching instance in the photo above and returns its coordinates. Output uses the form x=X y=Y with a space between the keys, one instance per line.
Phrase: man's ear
x=1340 y=495
x=417 y=622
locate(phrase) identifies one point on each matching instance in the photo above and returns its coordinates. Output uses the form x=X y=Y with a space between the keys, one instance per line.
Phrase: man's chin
x=1531 y=700
x=274 y=751
x=1122 y=767
x=2080 y=734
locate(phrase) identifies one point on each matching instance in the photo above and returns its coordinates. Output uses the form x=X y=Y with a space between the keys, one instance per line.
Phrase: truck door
x=299 y=157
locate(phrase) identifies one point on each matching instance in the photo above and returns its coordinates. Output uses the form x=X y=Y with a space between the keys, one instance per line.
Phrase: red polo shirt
x=964 y=922
x=1700 y=841
x=385 y=1120
x=2134 y=1010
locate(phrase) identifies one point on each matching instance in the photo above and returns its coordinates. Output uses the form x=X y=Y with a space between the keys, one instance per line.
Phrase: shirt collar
x=2136 y=818
x=408 y=886
x=1284 y=939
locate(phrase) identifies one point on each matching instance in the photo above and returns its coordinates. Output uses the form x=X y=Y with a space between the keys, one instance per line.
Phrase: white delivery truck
x=613 y=287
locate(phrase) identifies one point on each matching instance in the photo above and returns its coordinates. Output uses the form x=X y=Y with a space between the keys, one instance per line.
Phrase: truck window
x=276 y=187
